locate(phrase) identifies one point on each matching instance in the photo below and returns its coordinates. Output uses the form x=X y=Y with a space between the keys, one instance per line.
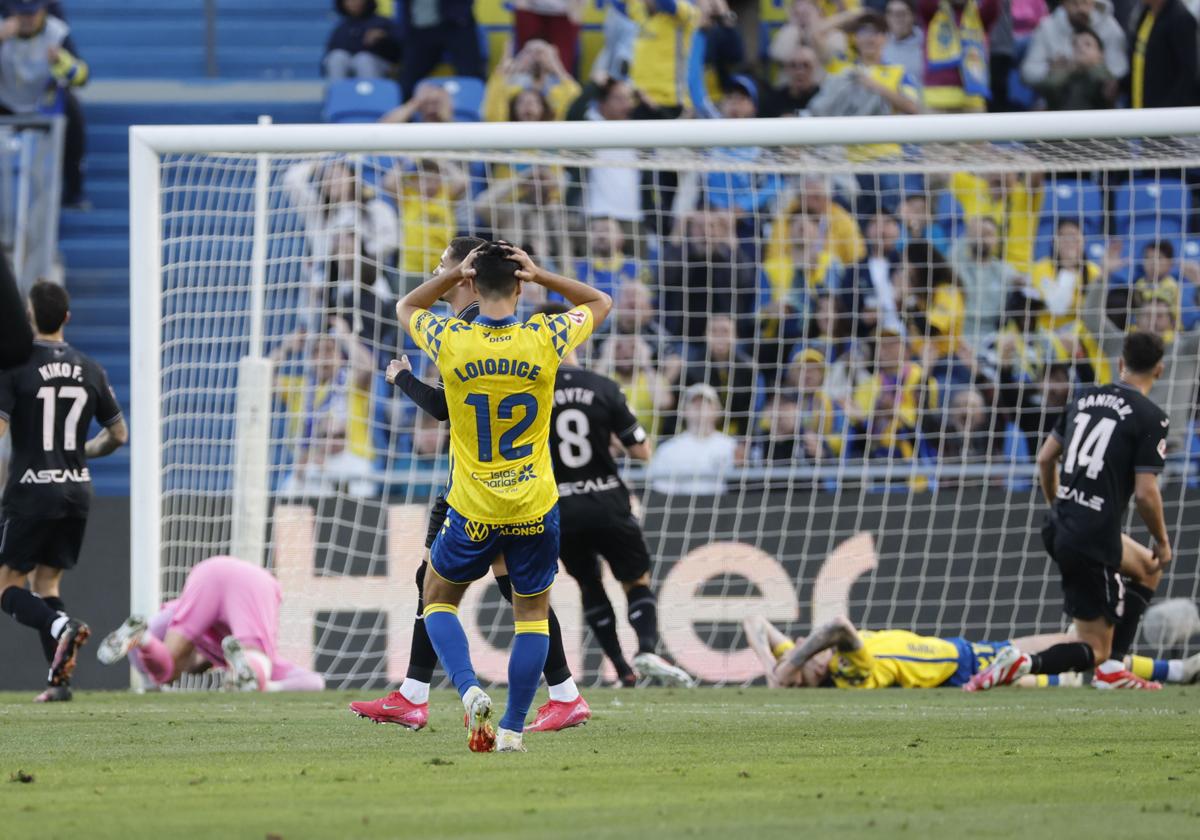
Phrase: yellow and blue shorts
x=973 y=657
x=465 y=550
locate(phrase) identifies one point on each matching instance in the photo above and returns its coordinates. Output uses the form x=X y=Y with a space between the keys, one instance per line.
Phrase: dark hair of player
x=50 y=303
x=495 y=272
x=552 y=307
x=1142 y=351
x=1069 y=222
x=460 y=246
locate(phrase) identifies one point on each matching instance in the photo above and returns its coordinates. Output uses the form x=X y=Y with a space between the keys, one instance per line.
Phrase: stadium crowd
x=769 y=317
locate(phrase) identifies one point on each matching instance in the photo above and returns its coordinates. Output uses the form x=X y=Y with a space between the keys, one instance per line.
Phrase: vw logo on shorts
x=477 y=531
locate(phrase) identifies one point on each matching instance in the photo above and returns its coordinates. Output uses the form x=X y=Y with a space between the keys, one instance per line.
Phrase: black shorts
x=27 y=543
x=1091 y=589
x=619 y=541
x=436 y=517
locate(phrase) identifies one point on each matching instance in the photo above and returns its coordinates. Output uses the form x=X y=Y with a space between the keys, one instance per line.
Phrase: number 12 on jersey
x=1089 y=452
x=505 y=410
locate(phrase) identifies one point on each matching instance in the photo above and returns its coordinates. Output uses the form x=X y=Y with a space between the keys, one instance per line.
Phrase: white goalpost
x=998 y=259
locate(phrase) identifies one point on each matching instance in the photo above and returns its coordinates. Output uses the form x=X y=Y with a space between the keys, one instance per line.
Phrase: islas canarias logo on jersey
x=477 y=531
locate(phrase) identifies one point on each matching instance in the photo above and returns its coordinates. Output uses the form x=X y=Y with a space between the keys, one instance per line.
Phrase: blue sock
x=450 y=642
x=525 y=664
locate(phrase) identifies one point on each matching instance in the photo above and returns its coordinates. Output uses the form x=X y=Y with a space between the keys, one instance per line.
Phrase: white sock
x=565 y=692
x=1110 y=665
x=1174 y=670
x=414 y=691
x=59 y=623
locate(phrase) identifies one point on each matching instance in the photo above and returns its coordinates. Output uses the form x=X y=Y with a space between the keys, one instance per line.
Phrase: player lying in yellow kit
x=839 y=654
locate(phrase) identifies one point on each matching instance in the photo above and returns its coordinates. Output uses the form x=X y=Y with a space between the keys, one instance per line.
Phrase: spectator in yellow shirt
x=887 y=406
x=425 y=194
x=1158 y=280
x=532 y=86
x=1013 y=201
x=1062 y=283
x=836 y=230
x=659 y=69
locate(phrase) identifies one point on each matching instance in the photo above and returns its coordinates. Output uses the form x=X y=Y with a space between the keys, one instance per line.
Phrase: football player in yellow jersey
x=838 y=654
x=503 y=499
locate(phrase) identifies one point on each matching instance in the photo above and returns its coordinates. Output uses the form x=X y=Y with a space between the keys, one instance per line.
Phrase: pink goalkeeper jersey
x=225 y=596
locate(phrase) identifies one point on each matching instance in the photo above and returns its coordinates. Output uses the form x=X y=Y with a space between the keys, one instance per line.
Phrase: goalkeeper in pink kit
x=227 y=616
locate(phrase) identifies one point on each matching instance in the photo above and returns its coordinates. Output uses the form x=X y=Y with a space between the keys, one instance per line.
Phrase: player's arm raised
x=1047 y=461
x=430 y=292
x=578 y=294
x=838 y=632
x=1148 y=499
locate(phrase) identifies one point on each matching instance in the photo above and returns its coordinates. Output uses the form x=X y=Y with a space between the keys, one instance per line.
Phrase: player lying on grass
x=840 y=655
x=1112 y=441
x=408 y=706
x=227 y=616
x=898 y=657
x=503 y=502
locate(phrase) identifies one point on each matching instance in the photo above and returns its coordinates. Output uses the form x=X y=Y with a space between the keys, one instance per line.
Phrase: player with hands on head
x=408 y=706
x=1112 y=442
x=499 y=379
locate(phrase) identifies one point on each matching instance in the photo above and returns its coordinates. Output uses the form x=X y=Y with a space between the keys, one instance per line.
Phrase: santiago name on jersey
x=1109 y=433
x=499 y=380
x=588 y=410
x=49 y=403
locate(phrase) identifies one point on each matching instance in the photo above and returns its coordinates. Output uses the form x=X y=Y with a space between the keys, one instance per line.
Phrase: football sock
x=30 y=610
x=422 y=658
x=1068 y=656
x=1159 y=670
x=565 y=691
x=643 y=617
x=557 y=670
x=49 y=643
x=415 y=691
x=450 y=641
x=602 y=619
x=1137 y=598
x=153 y=659
x=525 y=664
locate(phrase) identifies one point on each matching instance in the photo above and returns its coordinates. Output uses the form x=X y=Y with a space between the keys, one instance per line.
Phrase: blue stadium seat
x=1147 y=208
x=947 y=212
x=1070 y=199
x=467 y=94
x=359 y=100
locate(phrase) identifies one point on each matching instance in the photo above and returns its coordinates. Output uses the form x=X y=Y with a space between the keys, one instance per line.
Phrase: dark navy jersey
x=1109 y=433
x=49 y=403
x=589 y=409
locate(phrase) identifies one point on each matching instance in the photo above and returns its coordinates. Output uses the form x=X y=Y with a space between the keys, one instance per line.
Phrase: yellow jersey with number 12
x=499 y=379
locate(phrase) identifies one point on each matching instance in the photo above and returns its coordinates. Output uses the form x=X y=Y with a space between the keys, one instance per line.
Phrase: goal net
x=846 y=338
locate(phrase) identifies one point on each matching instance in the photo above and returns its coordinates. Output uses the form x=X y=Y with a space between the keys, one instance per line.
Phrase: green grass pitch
x=747 y=764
